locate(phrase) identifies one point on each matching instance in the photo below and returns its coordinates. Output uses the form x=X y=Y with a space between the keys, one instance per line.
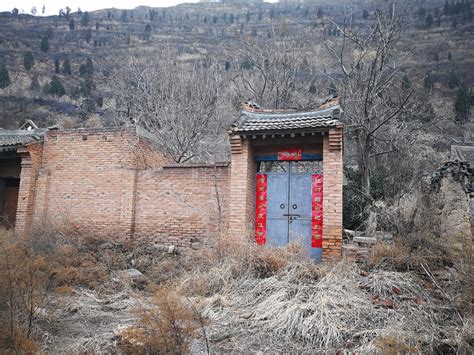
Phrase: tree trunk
x=364 y=167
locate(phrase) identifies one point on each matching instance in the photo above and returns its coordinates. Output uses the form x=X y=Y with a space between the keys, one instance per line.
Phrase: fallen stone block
x=365 y=240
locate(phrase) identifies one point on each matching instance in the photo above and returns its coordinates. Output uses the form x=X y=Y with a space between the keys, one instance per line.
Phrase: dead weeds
x=237 y=298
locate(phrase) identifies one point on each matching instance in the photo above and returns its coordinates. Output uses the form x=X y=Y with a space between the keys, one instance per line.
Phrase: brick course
x=182 y=205
x=85 y=179
x=332 y=193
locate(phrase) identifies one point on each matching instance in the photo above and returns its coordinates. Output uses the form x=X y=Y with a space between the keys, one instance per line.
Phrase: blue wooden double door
x=289 y=207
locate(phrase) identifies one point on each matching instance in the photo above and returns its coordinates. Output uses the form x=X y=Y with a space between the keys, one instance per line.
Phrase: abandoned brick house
x=115 y=182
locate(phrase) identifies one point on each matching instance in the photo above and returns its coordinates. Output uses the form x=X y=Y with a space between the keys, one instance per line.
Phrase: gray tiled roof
x=463 y=153
x=253 y=122
x=11 y=139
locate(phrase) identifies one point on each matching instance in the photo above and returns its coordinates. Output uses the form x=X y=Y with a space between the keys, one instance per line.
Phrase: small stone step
x=365 y=240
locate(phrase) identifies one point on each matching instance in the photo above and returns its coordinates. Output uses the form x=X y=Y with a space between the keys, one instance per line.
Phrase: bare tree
x=384 y=110
x=180 y=103
x=278 y=71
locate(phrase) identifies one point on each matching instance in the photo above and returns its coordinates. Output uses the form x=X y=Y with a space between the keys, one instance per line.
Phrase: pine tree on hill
x=4 y=77
x=28 y=60
x=462 y=104
x=406 y=83
x=56 y=65
x=85 y=19
x=56 y=87
x=447 y=8
x=45 y=45
x=429 y=20
x=453 y=80
x=67 y=67
x=88 y=35
x=35 y=86
x=86 y=70
x=428 y=83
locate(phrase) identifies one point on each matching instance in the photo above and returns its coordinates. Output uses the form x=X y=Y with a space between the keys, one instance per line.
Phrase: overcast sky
x=53 y=6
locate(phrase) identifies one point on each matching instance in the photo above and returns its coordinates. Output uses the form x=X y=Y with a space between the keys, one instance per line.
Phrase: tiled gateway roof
x=11 y=139
x=253 y=120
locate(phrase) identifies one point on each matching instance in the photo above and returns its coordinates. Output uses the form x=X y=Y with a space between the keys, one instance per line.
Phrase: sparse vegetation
x=180 y=104
x=279 y=295
x=56 y=66
x=56 y=87
x=4 y=76
x=66 y=67
x=462 y=104
x=181 y=73
x=28 y=60
x=292 y=26
x=45 y=44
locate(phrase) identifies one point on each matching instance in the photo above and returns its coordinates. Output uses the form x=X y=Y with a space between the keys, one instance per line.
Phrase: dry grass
x=238 y=298
x=24 y=284
x=165 y=326
x=264 y=299
x=337 y=312
x=406 y=255
x=209 y=272
x=43 y=273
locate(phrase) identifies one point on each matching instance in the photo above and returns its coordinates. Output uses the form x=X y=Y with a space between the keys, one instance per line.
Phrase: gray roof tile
x=253 y=122
x=17 y=138
x=463 y=153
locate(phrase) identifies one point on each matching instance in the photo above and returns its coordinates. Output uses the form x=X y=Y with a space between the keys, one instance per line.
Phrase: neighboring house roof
x=463 y=153
x=10 y=139
x=253 y=119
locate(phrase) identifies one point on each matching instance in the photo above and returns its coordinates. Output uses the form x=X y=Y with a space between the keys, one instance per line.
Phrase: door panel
x=277 y=209
x=289 y=204
x=300 y=208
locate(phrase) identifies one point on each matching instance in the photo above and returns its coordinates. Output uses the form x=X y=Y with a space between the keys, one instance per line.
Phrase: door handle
x=291 y=215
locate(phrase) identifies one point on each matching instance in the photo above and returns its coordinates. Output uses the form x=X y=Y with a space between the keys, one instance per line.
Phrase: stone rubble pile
x=459 y=170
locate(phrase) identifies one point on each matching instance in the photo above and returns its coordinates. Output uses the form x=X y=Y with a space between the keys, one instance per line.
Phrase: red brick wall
x=31 y=158
x=112 y=183
x=180 y=205
x=87 y=179
x=332 y=193
x=242 y=189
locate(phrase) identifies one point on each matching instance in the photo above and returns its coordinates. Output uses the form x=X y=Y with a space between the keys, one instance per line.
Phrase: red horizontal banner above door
x=290 y=154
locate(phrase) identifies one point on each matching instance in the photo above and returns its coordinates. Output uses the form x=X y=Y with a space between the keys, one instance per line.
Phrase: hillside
x=440 y=47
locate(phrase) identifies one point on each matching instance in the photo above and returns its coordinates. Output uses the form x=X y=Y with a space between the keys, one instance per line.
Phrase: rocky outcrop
x=441 y=208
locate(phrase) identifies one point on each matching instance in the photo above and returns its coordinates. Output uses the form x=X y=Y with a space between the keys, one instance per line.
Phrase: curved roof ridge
x=254 y=119
x=330 y=111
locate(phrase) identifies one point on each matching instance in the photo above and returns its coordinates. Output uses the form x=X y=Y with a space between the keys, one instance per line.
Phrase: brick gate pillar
x=242 y=188
x=30 y=163
x=332 y=193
